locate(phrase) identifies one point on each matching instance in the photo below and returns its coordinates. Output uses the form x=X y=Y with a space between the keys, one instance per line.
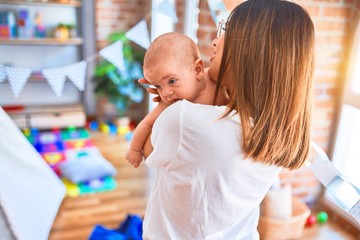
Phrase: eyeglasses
x=221 y=28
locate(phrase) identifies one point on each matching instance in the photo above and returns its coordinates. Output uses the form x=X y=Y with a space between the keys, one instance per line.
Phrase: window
x=346 y=155
x=346 y=148
x=160 y=23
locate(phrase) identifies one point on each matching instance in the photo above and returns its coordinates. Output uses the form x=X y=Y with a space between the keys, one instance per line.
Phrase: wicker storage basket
x=271 y=228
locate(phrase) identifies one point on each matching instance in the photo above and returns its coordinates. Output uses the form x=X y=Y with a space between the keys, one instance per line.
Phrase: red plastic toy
x=310 y=221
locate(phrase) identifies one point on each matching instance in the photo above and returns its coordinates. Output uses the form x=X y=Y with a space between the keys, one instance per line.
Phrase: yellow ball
x=122 y=130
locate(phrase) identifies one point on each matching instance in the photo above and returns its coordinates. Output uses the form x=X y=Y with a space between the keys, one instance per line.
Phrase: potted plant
x=121 y=87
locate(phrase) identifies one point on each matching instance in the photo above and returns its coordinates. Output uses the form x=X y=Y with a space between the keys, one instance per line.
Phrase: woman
x=214 y=168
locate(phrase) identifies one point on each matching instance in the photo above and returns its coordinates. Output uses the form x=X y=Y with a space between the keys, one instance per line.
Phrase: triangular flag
x=2 y=73
x=55 y=78
x=168 y=8
x=218 y=11
x=114 y=54
x=77 y=74
x=139 y=34
x=17 y=78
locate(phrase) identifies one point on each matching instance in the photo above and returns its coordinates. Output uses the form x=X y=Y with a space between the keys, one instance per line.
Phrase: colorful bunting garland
x=167 y=8
x=56 y=79
x=2 y=73
x=76 y=72
x=17 y=78
x=114 y=54
x=139 y=34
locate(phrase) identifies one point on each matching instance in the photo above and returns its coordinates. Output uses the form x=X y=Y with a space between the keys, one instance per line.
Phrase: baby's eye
x=157 y=86
x=172 y=81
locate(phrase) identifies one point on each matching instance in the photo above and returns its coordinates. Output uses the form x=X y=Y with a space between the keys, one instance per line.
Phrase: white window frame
x=191 y=23
x=160 y=23
x=351 y=98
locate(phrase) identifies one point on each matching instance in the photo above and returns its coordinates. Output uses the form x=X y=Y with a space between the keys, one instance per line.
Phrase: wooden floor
x=78 y=216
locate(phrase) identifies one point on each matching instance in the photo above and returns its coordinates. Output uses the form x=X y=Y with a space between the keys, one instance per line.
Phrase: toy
x=129 y=136
x=25 y=27
x=50 y=146
x=97 y=185
x=322 y=217
x=93 y=126
x=123 y=130
x=85 y=164
x=310 y=221
x=104 y=128
x=72 y=189
x=40 y=31
x=72 y=156
x=27 y=132
x=48 y=142
x=53 y=158
x=112 y=129
x=34 y=131
x=81 y=143
x=73 y=133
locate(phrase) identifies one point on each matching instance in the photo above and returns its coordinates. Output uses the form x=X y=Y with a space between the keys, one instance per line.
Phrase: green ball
x=322 y=217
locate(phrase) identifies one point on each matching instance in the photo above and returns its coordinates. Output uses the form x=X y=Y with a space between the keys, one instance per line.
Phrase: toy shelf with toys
x=47 y=117
x=53 y=34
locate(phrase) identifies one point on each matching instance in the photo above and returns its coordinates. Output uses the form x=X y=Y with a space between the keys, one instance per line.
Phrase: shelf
x=41 y=41
x=69 y=3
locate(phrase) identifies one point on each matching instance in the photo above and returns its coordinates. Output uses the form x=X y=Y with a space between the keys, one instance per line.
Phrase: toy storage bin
x=271 y=228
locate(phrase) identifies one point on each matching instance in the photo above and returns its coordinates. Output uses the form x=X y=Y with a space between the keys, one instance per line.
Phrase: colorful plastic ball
x=71 y=128
x=129 y=136
x=34 y=131
x=322 y=217
x=310 y=221
x=102 y=125
x=27 y=132
x=56 y=130
x=105 y=128
x=122 y=130
x=94 y=126
x=112 y=129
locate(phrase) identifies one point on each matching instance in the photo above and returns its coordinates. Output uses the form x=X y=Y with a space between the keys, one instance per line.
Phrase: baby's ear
x=199 y=68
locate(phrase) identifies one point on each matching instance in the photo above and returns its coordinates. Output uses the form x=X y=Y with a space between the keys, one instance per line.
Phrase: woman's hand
x=150 y=90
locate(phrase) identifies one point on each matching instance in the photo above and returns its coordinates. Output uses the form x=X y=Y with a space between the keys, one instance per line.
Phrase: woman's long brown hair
x=268 y=59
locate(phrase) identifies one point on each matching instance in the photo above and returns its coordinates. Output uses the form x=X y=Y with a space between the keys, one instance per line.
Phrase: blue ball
x=94 y=126
x=34 y=131
x=113 y=129
x=129 y=136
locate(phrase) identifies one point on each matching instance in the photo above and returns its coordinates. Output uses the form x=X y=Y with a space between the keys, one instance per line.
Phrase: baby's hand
x=134 y=157
x=151 y=90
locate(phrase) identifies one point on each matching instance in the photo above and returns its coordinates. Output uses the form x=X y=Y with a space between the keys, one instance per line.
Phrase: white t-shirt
x=203 y=186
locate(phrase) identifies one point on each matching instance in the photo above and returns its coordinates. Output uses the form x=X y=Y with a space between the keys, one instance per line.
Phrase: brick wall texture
x=335 y=22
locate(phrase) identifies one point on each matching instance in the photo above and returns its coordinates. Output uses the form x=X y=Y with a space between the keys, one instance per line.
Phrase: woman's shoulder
x=198 y=116
x=187 y=107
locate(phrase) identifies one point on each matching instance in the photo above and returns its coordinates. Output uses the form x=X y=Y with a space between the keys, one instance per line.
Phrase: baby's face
x=174 y=81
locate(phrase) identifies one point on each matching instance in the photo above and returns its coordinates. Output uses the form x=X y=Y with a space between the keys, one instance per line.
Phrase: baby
x=173 y=66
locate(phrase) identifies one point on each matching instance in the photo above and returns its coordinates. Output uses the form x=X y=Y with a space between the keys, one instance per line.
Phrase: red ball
x=310 y=221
